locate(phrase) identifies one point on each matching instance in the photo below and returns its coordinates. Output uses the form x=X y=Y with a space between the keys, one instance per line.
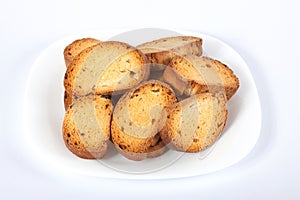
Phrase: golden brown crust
x=230 y=89
x=152 y=152
x=131 y=143
x=67 y=100
x=76 y=47
x=86 y=154
x=73 y=69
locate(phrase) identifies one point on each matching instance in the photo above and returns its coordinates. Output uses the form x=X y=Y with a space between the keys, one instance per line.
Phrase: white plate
x=44 y=112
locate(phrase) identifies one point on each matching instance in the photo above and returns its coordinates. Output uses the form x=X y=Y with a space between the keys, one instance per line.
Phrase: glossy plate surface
x=44 y=112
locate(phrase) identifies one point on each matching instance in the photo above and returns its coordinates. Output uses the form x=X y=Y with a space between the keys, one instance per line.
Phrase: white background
x=265 y=33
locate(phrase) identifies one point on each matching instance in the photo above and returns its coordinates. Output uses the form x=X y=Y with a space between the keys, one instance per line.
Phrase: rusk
x=137 y=120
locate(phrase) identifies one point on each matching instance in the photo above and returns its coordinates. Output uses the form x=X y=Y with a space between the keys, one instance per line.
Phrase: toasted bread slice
x=76 y=47
x=86 y=126
x=109 y=67
x=195 y=123
x=193 y=75
x=161 y=51
x=137 y=120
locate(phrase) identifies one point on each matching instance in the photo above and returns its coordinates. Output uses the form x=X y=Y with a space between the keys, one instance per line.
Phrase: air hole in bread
x=193 y=105
x=106 y=96
x=82 y=134
x=169 y=93
x=195 y=140
x=220 y=124
x=69 y=135
x=137 y=90
x=157 y=139
x=155 y=91
x=75 y=143
x=153 y=121
x=123 y=147
x=132 y=74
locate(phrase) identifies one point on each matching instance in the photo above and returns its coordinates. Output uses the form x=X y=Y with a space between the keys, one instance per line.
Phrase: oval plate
x=44 y=112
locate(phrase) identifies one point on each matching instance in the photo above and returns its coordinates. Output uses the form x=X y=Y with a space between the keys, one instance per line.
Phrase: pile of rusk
x=146 y=99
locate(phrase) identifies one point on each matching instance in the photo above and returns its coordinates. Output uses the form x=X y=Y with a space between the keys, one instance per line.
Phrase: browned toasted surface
x=67 y=100
x=148 y=116
x=76 y=47
x=74 y=68
x=106 y=68
x=195 y=123
x=201 y=75
x=86 y=126
x=161 y=51
x=152 y=152
x=137 y=118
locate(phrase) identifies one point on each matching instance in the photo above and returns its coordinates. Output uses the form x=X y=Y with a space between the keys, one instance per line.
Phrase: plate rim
x=118 y=31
